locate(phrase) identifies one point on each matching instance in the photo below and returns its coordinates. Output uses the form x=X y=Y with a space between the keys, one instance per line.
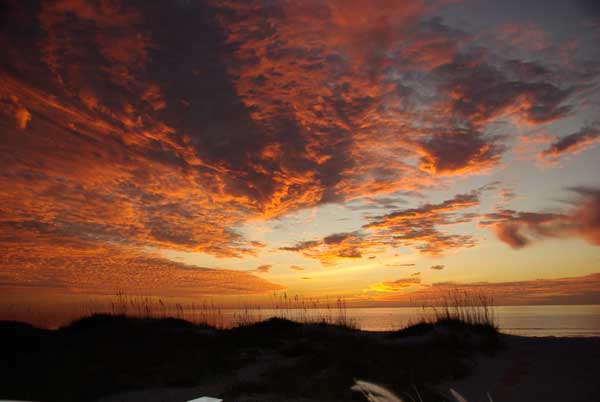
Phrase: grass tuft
x=455 y=310
x=377 y=393
x=297 y=309
x=374 y=392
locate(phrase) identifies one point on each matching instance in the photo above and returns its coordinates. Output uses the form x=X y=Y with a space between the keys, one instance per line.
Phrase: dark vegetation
x=109 y=353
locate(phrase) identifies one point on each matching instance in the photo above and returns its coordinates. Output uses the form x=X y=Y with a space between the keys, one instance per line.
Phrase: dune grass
x=204 y=313
x=297 y=308
x=458 y=308
x=377 y=393
x=475 y=309
x=115 y=352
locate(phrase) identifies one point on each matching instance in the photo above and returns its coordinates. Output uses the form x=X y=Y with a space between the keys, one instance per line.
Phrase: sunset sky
x=376 y=150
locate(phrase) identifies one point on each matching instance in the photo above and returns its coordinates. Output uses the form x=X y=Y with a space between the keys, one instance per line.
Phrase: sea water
x=563 y=320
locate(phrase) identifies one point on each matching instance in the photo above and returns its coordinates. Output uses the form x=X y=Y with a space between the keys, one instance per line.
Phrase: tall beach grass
x=296 y=308
x=376 y=393
x=459 y=307
x=456 y=307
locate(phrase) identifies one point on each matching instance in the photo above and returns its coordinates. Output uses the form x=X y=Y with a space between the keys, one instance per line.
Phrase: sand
x=525 y=370
x=536 y=369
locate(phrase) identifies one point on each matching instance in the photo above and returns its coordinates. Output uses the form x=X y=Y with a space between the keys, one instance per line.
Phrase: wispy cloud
x=573 y=143
x=418 y=228
x=262 y=269
x=520 y=229
x=334 y=248
x=394 y=286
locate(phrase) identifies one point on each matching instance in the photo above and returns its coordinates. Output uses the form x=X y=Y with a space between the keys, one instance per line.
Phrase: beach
x=113 y=358
x=536 y=369
x=529 y=369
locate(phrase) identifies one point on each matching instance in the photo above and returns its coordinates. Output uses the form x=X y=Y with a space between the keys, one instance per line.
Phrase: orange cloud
x=347 y=91
x=333 y=249
x=519 y=229
x=63 y=179
x=416 y=228
x=34 y=259
x=124 y=132
x=12 y=108
x=397 y=285
x=573 y=290
x=318 y=118
x=23 y=116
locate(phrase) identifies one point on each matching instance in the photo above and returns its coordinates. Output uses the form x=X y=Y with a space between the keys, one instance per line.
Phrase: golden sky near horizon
x=377 y=150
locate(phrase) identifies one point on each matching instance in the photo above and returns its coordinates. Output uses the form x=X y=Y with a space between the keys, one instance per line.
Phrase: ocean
x=571 y=321
x=560 y=320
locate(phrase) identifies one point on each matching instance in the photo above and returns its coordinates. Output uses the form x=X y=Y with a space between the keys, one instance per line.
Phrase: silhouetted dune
x=115 y=322
x=108 y=354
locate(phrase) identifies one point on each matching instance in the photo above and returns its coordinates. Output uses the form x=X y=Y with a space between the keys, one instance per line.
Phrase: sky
x=380 y=151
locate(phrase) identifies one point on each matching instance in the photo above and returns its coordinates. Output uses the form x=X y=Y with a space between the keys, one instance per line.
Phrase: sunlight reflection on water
x=518 y=320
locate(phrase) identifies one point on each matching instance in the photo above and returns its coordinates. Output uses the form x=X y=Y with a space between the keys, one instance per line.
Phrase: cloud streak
x=573 y=143
x=335 y=248
x=520 y=229
x=574 y=290
x=397 y=285
x=417 y=228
